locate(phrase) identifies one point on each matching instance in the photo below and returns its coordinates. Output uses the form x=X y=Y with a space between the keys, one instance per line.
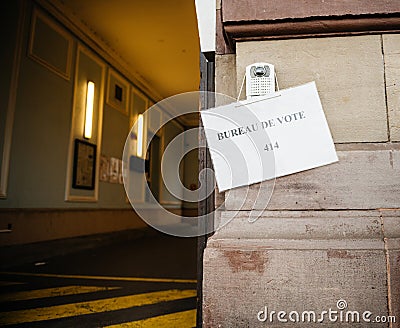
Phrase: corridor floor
x=145 y=282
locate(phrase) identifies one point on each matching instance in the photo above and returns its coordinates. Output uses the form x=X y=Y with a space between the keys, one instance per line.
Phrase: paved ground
x=146 y=282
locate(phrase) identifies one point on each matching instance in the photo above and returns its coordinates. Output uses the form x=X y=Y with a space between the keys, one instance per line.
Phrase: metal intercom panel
x=260 y=79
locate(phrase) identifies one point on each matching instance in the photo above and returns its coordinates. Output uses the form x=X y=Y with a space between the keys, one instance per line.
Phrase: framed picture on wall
x=104 y=168
x=43 y=28
x=114 y=170
x=84 y=170
x=120 y=176
x=118 y=92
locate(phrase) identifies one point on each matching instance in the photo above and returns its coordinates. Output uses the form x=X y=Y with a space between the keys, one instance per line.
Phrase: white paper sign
x=272 y=136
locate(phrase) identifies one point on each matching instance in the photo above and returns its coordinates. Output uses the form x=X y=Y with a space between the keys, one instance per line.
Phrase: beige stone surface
x=362 y=179
x=225 y=77
x=242 y=281
x=391 y=50
x=298 y=261
x=394 y=281
x=304 y=225
x=328 y=233
x=225 y=87
x=391 y=226
x=349 y=74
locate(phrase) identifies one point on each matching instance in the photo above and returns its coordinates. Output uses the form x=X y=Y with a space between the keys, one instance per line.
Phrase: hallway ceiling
x=158 y=39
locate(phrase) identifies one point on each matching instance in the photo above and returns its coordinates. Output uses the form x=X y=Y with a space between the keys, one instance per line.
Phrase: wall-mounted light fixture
x=139 y=148
x=89 y=110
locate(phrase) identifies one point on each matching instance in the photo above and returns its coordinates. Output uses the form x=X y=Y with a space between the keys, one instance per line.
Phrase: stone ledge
x=304 y=225
x=361 y=180
x=260 y=20
x=309 y=229
x=341 y=246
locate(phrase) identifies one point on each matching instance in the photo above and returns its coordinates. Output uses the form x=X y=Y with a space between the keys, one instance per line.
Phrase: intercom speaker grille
x=260 y=71
x=260 y=79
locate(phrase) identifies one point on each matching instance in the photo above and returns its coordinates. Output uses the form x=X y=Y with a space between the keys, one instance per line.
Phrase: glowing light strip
x=89 y=110
x=139 y=149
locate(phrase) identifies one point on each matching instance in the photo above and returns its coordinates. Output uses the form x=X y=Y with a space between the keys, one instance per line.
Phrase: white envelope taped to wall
x=267 y=137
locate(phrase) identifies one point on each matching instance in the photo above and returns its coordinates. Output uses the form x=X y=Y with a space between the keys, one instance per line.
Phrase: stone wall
x=327 y=234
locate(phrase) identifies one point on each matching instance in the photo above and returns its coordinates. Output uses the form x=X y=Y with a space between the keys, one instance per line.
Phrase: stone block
x=349 y=74
x=391 y=50
x=296 y=261
x=225 y=78
x=366 y=177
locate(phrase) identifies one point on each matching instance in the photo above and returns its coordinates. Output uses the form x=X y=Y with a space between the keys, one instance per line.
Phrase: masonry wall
x=327 y=234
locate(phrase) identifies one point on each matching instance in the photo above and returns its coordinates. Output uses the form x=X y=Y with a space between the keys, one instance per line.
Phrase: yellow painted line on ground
x=52 y=292
x=185 y=319
x=90 y=307
x=10 y=283
x=49 y=275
